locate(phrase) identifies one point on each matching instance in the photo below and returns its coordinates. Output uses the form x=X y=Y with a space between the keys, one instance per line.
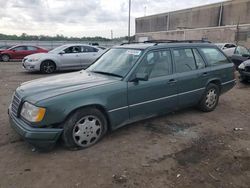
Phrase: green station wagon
x=128 y=83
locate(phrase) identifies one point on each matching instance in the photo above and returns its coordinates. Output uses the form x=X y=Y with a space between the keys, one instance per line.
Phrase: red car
x=20 y=51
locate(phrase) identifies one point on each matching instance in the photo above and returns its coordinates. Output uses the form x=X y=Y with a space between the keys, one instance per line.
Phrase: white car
x=66 y=57
x=224 y=46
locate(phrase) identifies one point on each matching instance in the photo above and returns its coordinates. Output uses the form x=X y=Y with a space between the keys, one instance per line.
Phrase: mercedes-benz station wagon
x=128 y=83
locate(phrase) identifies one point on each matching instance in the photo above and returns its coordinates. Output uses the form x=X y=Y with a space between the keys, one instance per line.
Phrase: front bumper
x=30 y=66
x=38 y=137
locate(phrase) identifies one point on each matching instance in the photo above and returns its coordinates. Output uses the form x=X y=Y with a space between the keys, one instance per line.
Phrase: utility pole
x=111 y=34
x=129 y=12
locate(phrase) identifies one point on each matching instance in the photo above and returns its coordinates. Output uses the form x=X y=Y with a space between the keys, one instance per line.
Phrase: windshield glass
x=116 y=62
x=57 y=50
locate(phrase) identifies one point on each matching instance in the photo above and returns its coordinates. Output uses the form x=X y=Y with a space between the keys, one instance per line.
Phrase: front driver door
x=159 y=93
x=70 y=58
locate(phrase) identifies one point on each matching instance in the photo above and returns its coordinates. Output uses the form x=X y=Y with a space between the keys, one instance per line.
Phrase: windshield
x=57 y=50
x=116 y=62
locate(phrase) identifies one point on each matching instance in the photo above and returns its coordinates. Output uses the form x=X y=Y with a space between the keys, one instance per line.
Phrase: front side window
x=72 y=49
x=20 y=48
x=116 y=62
x=184 y=60
x=156 y=64
x=214 y=56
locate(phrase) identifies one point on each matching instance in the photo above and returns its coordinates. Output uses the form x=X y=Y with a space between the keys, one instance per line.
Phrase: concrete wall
x=216 y=22
x=219 y=14
x=213 y=34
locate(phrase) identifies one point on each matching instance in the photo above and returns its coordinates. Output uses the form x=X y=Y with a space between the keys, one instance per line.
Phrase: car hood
x=36 y=55
x=52 y=86
x=246 y=63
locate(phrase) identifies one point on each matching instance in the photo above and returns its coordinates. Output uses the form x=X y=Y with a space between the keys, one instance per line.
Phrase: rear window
x=214 y=56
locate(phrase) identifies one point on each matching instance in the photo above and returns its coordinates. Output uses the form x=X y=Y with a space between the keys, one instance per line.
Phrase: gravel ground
x=188 y=148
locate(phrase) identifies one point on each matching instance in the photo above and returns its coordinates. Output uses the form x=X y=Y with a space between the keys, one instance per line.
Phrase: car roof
x=143 y=46
x=78 y=44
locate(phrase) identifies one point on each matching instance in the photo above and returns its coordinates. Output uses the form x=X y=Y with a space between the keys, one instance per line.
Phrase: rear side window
x=199 y=61
x=31 y=48
x=89 y=49
x=184 y=60
x=214 y=56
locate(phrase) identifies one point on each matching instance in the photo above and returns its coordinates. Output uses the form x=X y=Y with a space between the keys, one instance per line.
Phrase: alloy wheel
x=48 y=67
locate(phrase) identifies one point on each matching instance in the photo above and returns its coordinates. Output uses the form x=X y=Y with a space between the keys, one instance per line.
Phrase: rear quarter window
x=214 y=56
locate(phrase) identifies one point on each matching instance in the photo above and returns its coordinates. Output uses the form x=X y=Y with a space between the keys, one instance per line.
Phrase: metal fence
x=53 y=44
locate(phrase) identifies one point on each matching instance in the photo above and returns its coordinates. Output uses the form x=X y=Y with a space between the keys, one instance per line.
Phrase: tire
x=84 y=128
x=48 y=67
x=210 y=98
x=5 y=58
x=243 y=79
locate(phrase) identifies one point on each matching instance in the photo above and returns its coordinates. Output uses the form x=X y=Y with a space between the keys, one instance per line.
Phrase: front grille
x=15 y=104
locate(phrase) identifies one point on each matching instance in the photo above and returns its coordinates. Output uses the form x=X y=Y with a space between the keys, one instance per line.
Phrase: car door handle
x=172 y=81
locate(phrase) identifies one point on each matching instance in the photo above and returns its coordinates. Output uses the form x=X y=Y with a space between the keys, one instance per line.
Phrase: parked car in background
x=244 y=70
x=237 y=54
x=20 y=51
x=66 y=57
x=128 y=83
x=225 y=45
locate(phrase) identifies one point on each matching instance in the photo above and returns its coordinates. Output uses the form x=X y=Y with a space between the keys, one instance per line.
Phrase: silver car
x=66 y=57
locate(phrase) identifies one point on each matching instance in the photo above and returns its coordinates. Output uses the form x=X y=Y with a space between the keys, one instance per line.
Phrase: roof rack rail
x=177 y=41
x=130 y=43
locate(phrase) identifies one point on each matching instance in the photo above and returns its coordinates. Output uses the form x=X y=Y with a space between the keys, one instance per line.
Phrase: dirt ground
x=188 y=148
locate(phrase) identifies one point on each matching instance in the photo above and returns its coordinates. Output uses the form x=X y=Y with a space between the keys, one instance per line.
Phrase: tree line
x=27 y=37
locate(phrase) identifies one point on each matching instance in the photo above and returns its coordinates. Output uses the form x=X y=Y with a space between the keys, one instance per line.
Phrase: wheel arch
x=100 y=107
x=215 y=81
x=51 y=60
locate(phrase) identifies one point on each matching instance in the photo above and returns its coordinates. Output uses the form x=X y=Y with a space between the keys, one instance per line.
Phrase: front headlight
x=33 y=59
x=242 y=66
x=32 y=113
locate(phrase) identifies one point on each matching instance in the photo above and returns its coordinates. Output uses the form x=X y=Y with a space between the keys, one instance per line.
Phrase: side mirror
x=246 y=55
x=140 y=77
x=62 y=52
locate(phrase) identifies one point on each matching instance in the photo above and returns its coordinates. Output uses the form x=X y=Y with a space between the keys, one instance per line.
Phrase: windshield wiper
x=107 y=73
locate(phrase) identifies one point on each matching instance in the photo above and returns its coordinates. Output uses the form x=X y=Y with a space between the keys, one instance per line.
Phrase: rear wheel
x=210 y=98
x=84 y=128
x=5 y=57
x=48 y=67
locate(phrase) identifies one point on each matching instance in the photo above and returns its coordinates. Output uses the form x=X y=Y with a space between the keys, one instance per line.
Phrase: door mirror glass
x=140 y=77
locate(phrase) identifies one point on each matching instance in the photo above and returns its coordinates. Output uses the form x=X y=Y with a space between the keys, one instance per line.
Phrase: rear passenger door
x=191 y=74
x=88 y=55
x=156 y=95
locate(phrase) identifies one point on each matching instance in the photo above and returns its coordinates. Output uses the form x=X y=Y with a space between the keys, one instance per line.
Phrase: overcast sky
x=81 y=17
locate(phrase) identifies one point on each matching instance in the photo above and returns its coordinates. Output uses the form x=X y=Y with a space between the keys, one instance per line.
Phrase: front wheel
x=48 y=67
x=210 y=98
x=84 y=128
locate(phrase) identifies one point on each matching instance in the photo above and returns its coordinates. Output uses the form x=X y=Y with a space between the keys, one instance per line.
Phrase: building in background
x=228 y=21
